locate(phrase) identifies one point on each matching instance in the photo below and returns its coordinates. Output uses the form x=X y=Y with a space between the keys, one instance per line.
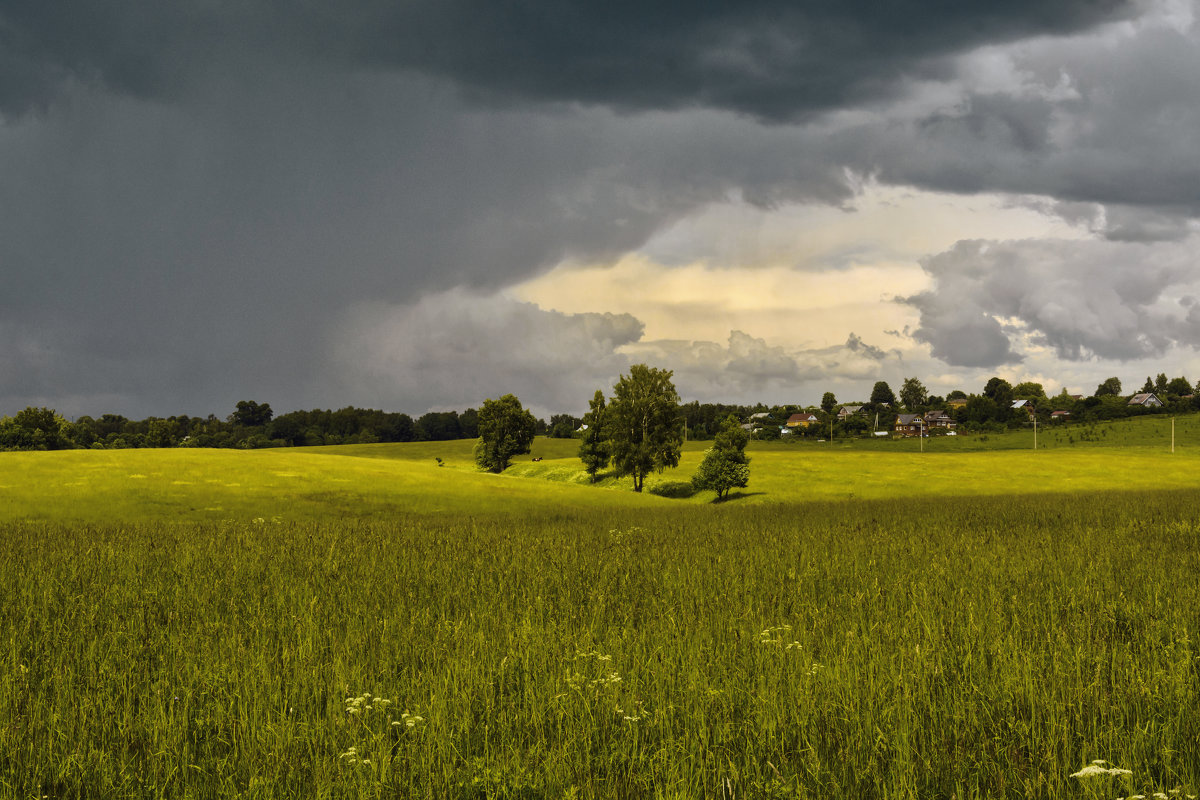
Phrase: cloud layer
x=1109 y=300
x=198 y=197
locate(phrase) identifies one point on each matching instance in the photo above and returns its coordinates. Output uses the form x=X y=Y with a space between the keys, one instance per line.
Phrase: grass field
x=979 y=620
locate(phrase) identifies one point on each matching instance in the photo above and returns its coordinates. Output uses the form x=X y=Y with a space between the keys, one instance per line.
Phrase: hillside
x=378 y=481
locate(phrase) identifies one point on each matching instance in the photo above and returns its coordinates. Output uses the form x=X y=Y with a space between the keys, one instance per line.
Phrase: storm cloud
x=1096 y=299
x=455 y=348
x=198 y=198
x=768 y=58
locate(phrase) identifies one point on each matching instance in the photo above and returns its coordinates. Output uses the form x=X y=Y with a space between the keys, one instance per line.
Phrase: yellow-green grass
x=856 y=623
x=900 y=648
x=199 y=485
x=379 y=481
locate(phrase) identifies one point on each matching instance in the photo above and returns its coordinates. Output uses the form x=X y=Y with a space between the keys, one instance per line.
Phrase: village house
x=1060 y=416
x=802 y=420
x=1146 y=400
x=848 y=411
x=910 y=425
x=939 y=419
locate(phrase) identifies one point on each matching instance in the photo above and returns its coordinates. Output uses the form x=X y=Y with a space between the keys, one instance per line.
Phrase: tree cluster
x=639 y=430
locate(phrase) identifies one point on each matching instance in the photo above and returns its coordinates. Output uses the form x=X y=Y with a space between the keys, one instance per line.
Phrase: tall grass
x=897 y=648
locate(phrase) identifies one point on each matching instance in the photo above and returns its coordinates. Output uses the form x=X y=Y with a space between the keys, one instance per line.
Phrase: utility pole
x=1172 y=434
x=1035 y=431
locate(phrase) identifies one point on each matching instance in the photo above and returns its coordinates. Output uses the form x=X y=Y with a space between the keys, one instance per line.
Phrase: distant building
x=939 y=419
x=1060 y=416
x=848 y=411
x=802 y=420
x=910 y=425
x=1146 y=400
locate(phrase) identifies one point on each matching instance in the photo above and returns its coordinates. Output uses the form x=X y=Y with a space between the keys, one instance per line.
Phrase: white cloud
x=1098 y=299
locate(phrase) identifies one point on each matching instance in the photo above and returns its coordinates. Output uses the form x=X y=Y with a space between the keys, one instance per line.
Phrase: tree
x=1148 y=386
x=34 y=429
x=594 y=450
x=440 y=426
x=250 y=414
x=882 y=395
x=913 y=394
x=828 y=402
x=468 y=424
x=505 y=430
x=957 y=394
x=1179 y=386
x=1029 y=390
x=1109 y=388
x=645 y=424
x=563 y=426
x=725 y=464
x=1160 y=383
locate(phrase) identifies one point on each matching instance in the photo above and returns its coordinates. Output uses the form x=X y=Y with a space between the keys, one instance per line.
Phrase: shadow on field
x=736 y=496
x=676 y=490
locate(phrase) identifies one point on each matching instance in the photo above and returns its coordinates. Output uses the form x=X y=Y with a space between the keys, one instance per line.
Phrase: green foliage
x=645 y=424
x=1000 y=391
x=828 y=402
x=913 y=394
x=249 y=414
x=35 y=429
x=563 y=426
x=1029 y=390
x=725 y=464
x=594 y=450
x=440 y=426
x=505 y=430
x=1110 y=387
x=1179 y=386
x=882 y=394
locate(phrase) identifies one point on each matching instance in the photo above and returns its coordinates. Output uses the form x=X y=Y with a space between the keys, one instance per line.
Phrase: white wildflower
x=1099 y=769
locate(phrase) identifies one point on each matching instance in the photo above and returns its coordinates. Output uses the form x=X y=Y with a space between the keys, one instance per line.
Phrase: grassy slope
x=377 y=481
x=598 y=643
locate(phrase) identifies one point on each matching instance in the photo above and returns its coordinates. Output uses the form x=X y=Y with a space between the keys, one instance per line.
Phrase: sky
x=420 y=205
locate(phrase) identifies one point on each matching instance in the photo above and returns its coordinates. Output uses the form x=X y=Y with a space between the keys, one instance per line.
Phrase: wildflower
x=1100 y=768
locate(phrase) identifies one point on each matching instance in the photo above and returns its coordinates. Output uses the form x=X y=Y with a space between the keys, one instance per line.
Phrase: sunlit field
x=976 y=620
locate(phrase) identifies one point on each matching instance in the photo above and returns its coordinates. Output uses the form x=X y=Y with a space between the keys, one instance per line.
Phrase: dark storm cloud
x=768 y=58
x=456 y=348
x=206 y=248
x=192 y=195
x=1089 y=299
x=1094 y=119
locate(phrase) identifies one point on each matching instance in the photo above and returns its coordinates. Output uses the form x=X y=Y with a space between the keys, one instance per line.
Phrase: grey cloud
x=456 y=348
x=855 y=344
x=747 y=369
x=206 y=189
x=745 y=364
x=201 y=253
x=1084 y=299
x=767 y=58
x=1101 y=118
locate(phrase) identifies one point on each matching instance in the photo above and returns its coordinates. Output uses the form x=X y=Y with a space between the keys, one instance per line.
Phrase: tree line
x=251 y=425
x=254 y=425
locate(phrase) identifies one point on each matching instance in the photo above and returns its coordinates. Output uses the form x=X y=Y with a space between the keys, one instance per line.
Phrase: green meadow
x=977 y=620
